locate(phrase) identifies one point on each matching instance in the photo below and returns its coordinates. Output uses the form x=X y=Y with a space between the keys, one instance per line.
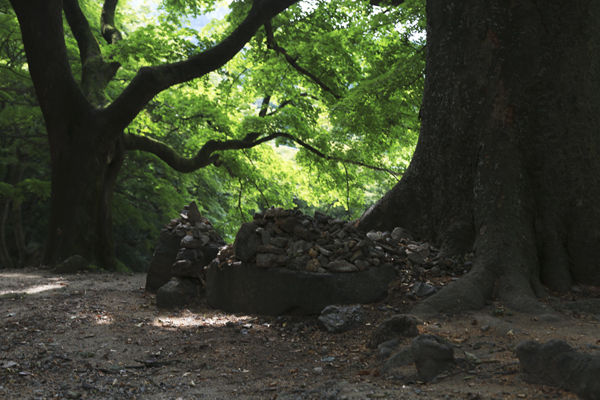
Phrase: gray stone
x=556 y=363
x=187 y=269
x=189 y=242
x=341 y=266
x=177 y=293
x=164 y=255
x=299 y=247
x=432 y=356
x=423 y=289
x=340 y=318
x=193 y=214
x=246 y=242
x=375 y=235
x=385 y=349
x=400 y=358
x=269 y=248
x=298 y=263
x=72 y=265
x=189 y=254
x=265 y=236
x=275 y=291
x=400 y=233
x=278 y=241
x=324 y=251
x=397 y=326
x=269 y=260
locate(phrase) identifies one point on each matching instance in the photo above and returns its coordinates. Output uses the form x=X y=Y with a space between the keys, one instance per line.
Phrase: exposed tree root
x=468 y=293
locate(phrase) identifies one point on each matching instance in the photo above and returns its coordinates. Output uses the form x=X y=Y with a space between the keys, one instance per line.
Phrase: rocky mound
x=287 y=262
x=281 y=238
x=186 y=245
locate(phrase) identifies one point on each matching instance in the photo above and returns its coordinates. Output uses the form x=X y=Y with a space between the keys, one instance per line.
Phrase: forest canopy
x=338 y=84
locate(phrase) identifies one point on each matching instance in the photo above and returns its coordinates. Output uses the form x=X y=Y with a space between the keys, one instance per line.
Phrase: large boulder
x=398 y=326
x=164 y=255
x=432 y=356
x=246 y=288
x=178 y=292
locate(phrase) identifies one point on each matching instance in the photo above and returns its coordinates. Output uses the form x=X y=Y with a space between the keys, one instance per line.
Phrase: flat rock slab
x=178 y=292
x=246 y=288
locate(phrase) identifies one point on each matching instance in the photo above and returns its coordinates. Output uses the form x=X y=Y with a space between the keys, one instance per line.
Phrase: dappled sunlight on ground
x=103 y=319
x=35 y=289
x=19 y=275
x=21 y=285
x=189 y=319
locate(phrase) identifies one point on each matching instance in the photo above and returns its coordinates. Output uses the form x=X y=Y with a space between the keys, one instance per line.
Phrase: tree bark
x=507 y=161
x=84 y=172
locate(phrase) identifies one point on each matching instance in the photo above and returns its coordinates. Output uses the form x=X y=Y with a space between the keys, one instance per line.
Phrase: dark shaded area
x=277 y=291
x=556 y=363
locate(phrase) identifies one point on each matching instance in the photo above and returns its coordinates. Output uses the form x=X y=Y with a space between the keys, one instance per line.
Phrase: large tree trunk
x=508 y=159
x=85 y=148
x=83 y=177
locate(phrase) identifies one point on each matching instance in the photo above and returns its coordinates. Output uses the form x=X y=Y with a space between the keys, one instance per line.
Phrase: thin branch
x=254 y=182
x=290 y=102
x=206 y=156
x=335 y=158
x=264 y=107
x=149 y=81
x=347 y=189
x=271 y=44
x=88 y=46
x=240 y=199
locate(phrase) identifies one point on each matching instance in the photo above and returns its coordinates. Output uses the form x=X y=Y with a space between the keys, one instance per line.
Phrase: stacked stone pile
x=279 y=238
x=285 y=261
x=186 y=245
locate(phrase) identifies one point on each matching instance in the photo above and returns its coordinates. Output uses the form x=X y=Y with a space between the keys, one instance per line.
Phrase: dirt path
x=99 y=336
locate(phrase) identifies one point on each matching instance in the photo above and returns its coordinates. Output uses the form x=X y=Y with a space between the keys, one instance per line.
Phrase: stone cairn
x=287 y=239
x=186 y=245
x=279 y=238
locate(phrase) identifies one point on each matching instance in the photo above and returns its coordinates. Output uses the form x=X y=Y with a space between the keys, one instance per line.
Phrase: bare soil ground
x=100 y=336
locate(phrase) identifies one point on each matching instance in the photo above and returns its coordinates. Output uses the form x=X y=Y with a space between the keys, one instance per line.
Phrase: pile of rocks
x=292 y=240
x=287 y=262
x=186 y=245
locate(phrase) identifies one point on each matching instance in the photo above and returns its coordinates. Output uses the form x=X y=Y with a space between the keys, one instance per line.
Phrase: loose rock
x=432 y=356
x=340 y=318
x=72 y=265
x=177 y=293
x=394 y=327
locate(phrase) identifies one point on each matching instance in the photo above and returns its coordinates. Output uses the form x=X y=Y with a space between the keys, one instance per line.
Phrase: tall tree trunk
x=507 y=161
x=84 y=172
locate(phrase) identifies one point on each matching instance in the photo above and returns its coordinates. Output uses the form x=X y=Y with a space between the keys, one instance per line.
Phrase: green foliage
x=24 y=172
x=360 y=104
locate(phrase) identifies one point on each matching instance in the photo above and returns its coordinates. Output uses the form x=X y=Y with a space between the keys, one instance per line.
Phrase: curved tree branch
x=289 y=102
x=150 y=81
x=206 y=156
x=271 y=44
